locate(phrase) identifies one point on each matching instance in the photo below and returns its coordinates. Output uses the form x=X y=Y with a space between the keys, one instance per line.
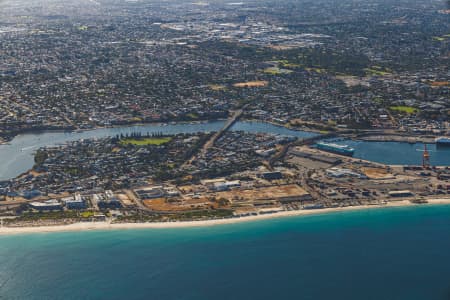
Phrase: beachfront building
x=75 y=202
x=404 y=193
x=221 y=184
x=47 y=205
x=106 y=200
x=150 y=192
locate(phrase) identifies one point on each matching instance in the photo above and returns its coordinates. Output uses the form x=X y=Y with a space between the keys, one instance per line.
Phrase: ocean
x=389 y=253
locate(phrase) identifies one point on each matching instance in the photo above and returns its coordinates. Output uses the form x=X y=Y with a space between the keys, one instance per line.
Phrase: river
x=16 y=157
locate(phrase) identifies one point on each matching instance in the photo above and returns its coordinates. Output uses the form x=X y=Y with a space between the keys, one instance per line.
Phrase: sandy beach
x=85 y=226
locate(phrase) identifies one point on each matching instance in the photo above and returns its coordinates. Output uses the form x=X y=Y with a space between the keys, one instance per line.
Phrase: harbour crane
x=426 y=158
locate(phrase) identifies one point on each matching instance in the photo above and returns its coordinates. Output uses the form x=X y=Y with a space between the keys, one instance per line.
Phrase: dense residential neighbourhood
x=83 y=68
x=357 y=70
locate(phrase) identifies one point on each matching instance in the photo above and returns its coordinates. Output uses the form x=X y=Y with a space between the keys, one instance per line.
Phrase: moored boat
x=336 y=148
x=443 y=141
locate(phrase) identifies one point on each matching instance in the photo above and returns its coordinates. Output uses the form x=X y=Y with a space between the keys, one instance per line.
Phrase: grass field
x=441 y=38
x=146 y=141
x=276 y=71
x=317 y=70
x=405 y=109
x=87 y=214
x=377 y=71
x=192 y=116
x=287 y=64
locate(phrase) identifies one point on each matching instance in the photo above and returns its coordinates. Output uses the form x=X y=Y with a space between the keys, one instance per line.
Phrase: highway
x=224 y=129
x=210 y=143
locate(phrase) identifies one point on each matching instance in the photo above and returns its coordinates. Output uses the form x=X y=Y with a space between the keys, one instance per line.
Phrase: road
x=131 y=196
x=305 y=141
x=235 y=116
x=224 y=129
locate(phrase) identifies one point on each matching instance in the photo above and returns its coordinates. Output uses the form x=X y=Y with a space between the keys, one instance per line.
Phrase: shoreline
x=74 y=130
x=375 y=136
x=94 y=226
x=410 y=139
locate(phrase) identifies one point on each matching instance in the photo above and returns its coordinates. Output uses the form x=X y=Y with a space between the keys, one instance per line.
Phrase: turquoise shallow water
x=395 y=253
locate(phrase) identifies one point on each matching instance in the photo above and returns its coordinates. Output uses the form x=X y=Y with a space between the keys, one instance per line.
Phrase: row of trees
x=137 y=135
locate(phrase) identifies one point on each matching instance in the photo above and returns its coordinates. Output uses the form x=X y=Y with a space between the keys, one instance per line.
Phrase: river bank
x=16 y=157
x=285 y=125
x=88 y=226
x=398 y=138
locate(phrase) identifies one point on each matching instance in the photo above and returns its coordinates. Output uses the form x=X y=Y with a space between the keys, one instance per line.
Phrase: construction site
x=306 y=178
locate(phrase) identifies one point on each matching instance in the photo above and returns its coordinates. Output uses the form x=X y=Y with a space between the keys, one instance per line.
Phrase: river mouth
x=16 y=157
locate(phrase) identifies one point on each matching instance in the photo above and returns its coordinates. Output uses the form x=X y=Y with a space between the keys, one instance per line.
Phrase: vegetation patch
x=378 y=100
x=146 y=141
x=405 y=109
x=192 y=116
x=40 y=157
x=290 y=65
x=276 y=71
x=317 y=70
x=87 y=214
x=439 y=38
x=287 y=64
x=325 y=61
x=321 y=127
x=378 y=71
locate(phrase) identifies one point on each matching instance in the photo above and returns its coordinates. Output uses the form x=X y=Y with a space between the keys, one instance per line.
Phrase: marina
x=397 y=153
x=443 y=141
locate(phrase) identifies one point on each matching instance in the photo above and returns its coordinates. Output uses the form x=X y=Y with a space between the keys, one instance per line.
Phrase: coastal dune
x=86 y=226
